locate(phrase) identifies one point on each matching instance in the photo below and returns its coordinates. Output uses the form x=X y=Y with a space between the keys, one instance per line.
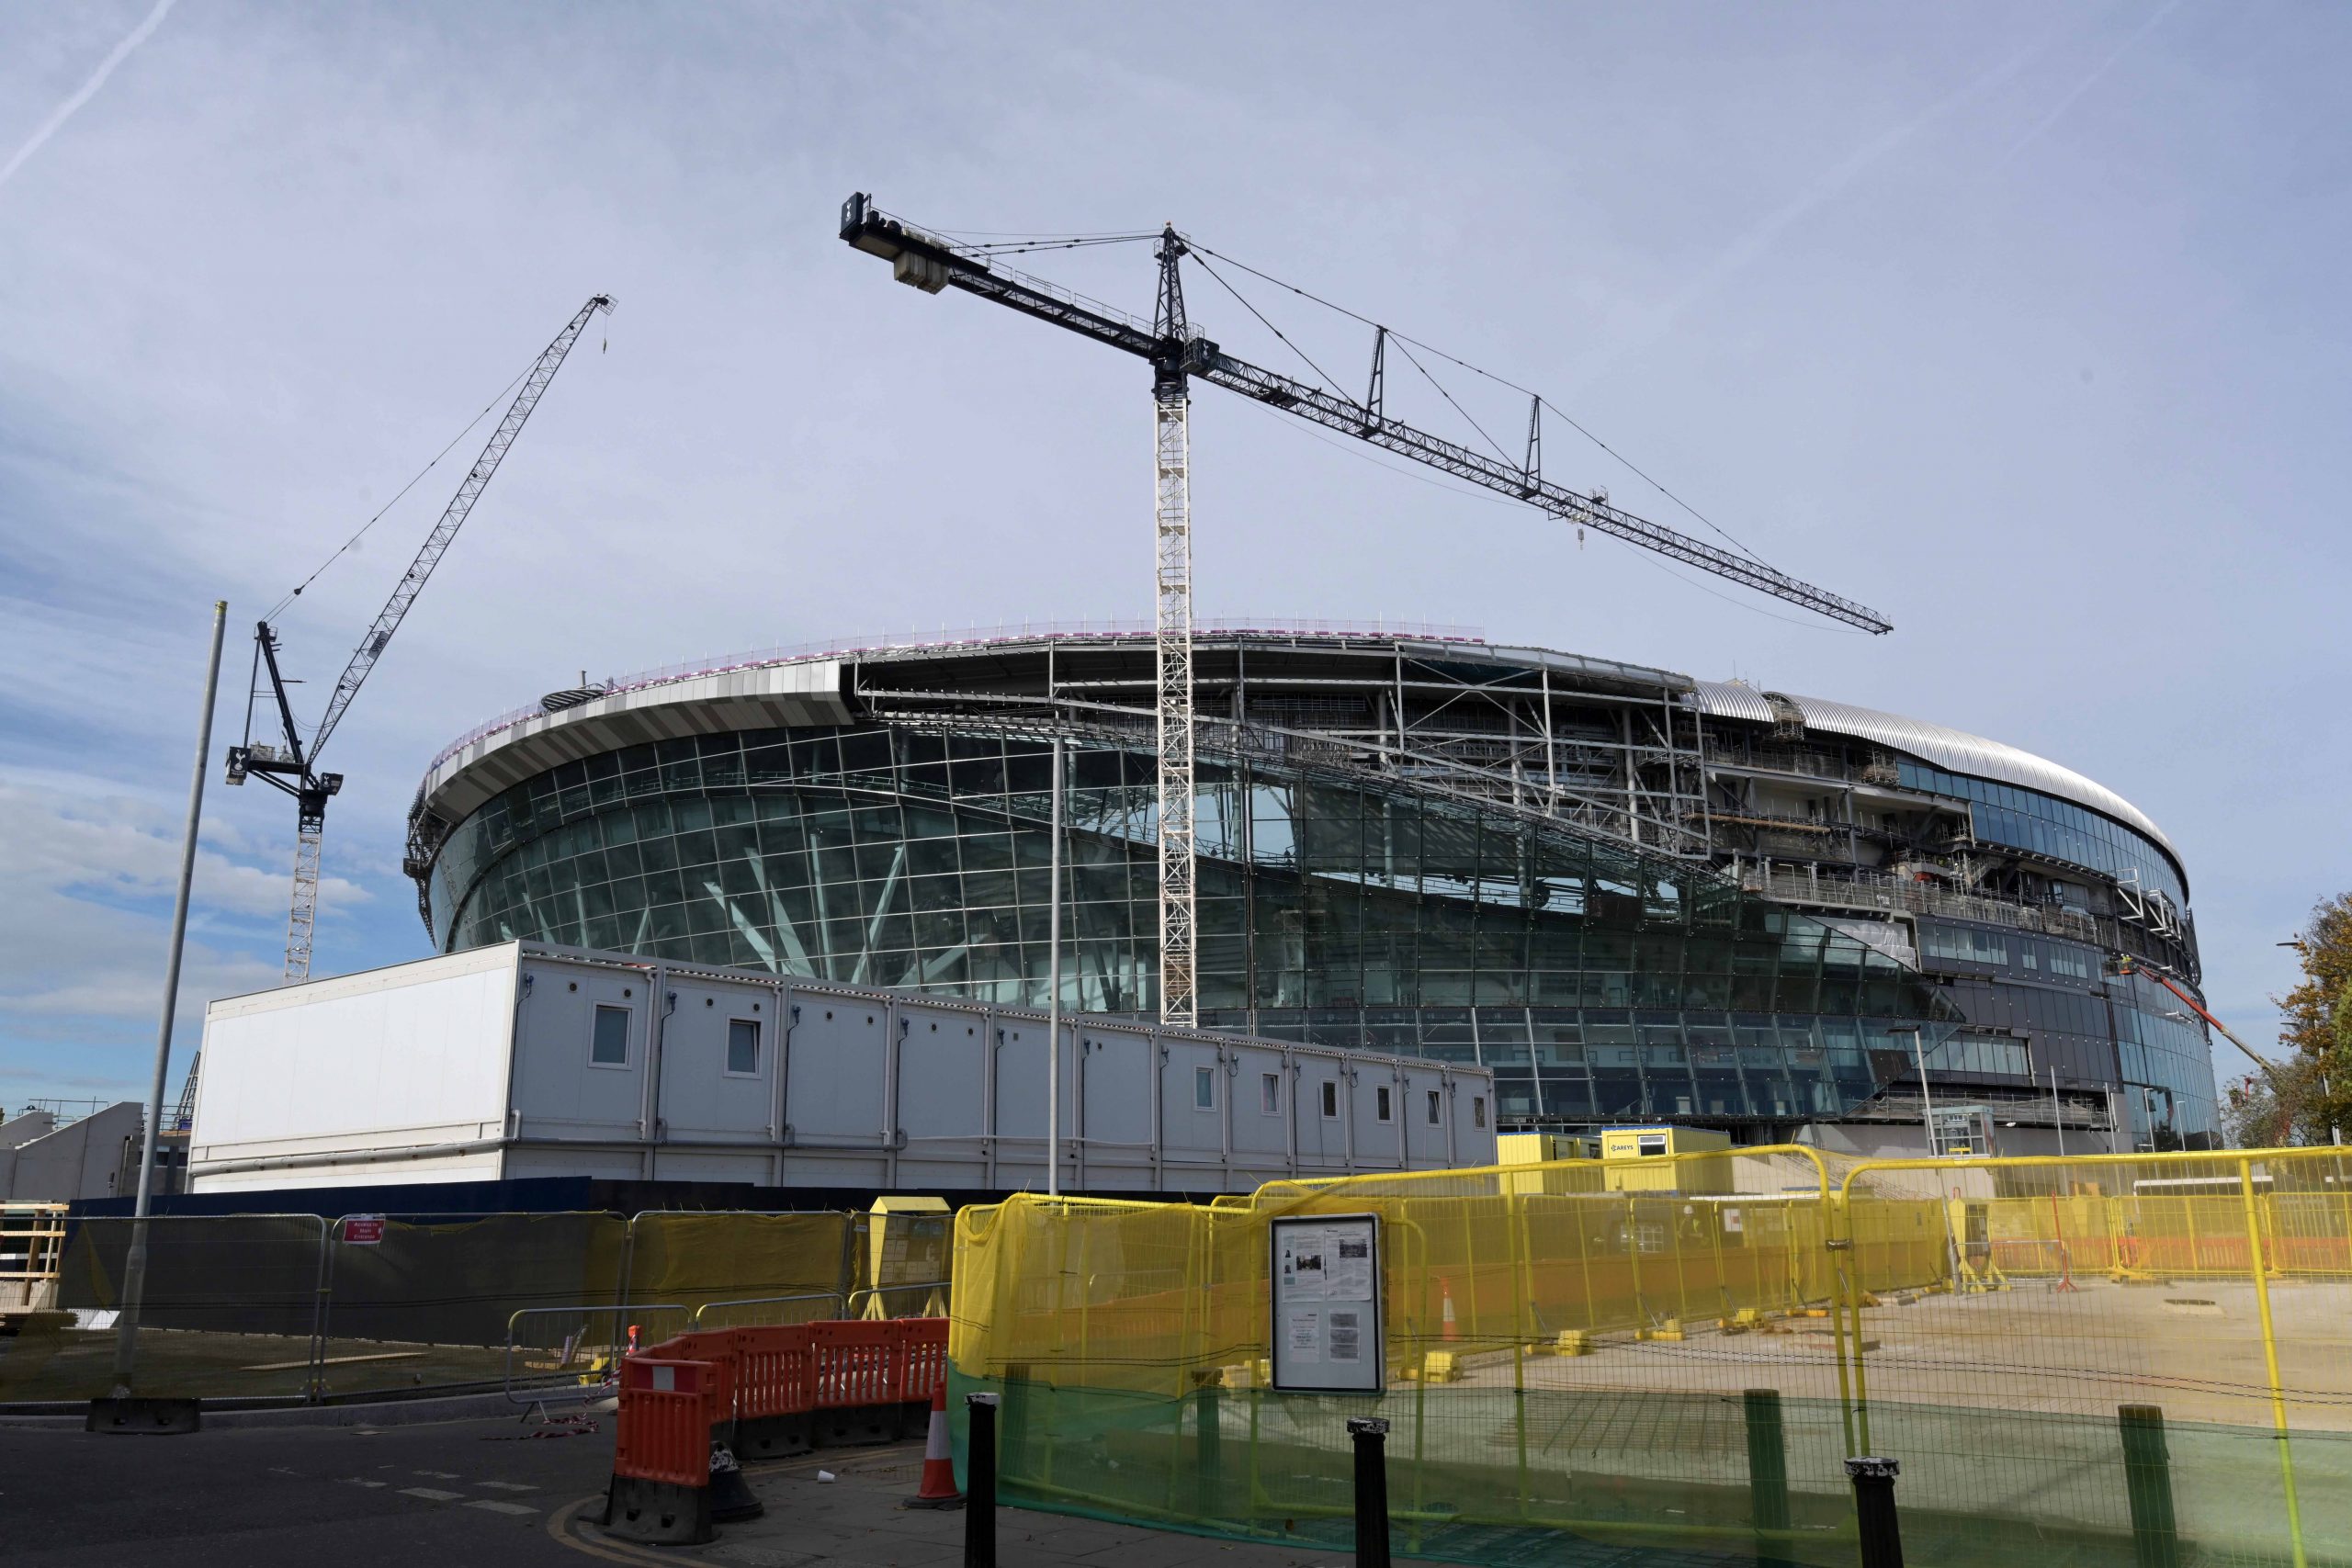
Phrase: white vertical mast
x=1173 y=527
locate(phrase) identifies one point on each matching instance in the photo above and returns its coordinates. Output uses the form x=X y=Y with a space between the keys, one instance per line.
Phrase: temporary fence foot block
x=138 y=1416
x=957 y=1502
x=659 y=1513
x=857 y=1426
x=731 y=1500
x=774 y=1436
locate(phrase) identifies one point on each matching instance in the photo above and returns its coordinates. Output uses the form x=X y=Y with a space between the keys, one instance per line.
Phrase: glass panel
x=742 y=1046
x=610 y=1046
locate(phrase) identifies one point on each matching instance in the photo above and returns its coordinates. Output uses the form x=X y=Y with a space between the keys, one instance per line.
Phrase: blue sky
x=2023 y=323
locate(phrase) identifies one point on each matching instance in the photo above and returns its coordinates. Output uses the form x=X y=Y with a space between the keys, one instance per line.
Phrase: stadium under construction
x=1628 y=895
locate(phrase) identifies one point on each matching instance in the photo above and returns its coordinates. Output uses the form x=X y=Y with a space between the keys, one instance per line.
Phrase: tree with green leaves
x=2316 y=1024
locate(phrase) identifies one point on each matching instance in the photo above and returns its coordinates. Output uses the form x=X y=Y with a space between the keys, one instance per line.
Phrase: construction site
x=1659 y=1120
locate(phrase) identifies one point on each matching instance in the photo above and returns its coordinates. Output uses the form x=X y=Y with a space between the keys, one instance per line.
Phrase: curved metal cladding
x=1594 y=878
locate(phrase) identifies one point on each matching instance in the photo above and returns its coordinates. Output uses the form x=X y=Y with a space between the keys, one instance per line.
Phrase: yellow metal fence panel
x=1600 y=1347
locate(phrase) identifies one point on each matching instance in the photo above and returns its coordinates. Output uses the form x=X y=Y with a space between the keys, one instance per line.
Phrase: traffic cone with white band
x=938 y=1489
x=1445 y=1291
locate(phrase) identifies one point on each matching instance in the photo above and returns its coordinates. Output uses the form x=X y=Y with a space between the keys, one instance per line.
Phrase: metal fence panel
x=1603 y=1349
x=229 y=1310
x=428 y=1303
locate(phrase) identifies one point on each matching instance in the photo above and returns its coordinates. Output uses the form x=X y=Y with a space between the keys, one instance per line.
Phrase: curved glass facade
x=2090 y=1025
x=2040 y=824
x=1598 y=982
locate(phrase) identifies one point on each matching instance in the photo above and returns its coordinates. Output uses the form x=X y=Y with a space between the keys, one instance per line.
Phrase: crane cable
x=278 y=608
x=1270 y=327
x=1500 y=380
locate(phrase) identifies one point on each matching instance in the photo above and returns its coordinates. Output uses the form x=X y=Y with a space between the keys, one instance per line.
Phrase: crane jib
x=437 y=544
x=933 y=262
x=293 y=769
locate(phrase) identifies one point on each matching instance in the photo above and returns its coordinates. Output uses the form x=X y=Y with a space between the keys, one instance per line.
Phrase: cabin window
x=1270 y=1093
x=1381 y=1107
x=742 y=1047
x=1204 y=1089
x=1330 y=1101
x=608 y=1047
x=1435 y=1108
x=1478 y=1112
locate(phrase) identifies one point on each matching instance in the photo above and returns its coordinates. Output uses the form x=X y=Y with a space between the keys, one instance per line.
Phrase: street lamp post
x=134 y=1267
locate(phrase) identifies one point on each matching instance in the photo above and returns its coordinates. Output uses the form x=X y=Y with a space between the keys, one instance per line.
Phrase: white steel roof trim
x=1955 y=751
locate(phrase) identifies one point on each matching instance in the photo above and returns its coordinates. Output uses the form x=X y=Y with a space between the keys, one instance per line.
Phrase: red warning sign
x=362 y=1230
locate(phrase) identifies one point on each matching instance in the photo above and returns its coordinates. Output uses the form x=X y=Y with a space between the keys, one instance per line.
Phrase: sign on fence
x=1326 y=1333
x=362 y=1230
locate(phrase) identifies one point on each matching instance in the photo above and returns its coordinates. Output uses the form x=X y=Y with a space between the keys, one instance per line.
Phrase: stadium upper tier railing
x=968 y=637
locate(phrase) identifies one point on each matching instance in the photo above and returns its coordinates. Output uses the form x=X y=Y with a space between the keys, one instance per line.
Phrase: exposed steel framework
x=1177 y=354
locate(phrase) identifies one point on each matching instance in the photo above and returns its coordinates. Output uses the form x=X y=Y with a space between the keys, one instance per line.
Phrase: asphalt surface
x=458 y=1492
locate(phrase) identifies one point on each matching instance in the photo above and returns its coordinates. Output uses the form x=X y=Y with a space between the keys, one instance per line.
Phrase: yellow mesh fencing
x=737 y=1269
x=1589 y=1356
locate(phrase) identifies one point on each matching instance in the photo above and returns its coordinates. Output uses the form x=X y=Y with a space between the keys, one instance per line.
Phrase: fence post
x=1522 y=1326
x=321 y=1308
x=979 y=1481
x=1882 y=1537
x=2148 y=1480
x=1768 y=1474
x=2270 y=1358
x=1369 y=1436
x=1208 y=1431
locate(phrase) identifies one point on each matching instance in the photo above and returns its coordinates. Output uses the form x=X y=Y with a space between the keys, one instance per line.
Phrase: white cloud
x=87 y=871
x=78 y=844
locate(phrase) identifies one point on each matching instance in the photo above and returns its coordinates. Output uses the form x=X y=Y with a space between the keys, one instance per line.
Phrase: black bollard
x=980 y=1482
x=1207 y=1434
x=1881 y=1537
x=2147 y=1479
x=1369 y=1436
x=1768 y=1476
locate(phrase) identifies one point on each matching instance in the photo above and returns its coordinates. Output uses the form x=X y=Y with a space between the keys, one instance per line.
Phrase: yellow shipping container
x=1631 y=1150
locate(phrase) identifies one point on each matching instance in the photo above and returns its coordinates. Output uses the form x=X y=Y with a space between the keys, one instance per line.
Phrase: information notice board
x=1326 y=1333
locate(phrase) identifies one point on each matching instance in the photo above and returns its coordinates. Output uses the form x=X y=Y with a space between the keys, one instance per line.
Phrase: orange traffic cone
x=1445 y=1293
x=938 y=1489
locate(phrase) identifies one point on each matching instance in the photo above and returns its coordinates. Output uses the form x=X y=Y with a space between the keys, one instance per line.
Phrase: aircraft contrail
x=1748 y=247
x=2085 y=85
x=64 y=112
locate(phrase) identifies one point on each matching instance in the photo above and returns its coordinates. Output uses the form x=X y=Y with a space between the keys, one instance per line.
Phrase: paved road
x=444 y=1496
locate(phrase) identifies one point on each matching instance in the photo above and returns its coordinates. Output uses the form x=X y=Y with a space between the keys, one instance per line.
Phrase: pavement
x=494 y=1491
x=444 y=1493
x=854 y=1520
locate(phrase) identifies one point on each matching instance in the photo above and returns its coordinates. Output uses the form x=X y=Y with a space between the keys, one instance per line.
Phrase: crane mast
x=291 y=766
x=1179 y=356
x=1171 y=401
